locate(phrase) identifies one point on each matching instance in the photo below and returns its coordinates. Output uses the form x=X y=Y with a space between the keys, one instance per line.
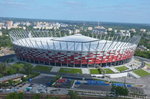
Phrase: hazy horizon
x=119 y=11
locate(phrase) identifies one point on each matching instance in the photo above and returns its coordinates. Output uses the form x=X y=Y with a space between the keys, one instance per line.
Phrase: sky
x=129 y=11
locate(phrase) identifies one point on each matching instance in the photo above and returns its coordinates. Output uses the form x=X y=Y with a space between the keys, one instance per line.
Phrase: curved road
x=4 y=58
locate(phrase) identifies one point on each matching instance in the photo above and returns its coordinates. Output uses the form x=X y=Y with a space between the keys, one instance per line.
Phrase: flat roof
x=10 y=77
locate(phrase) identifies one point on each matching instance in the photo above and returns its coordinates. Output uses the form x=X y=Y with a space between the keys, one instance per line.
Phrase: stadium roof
x=76 y=42
x=76 y=38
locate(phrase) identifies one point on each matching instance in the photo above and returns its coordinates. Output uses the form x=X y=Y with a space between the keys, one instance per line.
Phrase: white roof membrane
x=75 y=42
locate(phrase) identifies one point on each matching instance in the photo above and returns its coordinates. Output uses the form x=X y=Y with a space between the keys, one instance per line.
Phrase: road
x=4 y=58
x=142 y=59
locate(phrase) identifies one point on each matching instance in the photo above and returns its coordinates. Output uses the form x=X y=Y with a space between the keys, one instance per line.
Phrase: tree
x=10 y=82
x=3 y=68
x=36 y=96
x=18 y=67
x=117 y=90
x=52 y=97
x=27 y=69
x=15 y=96
x=73 y=95
x=145 y=54
x=10 y=70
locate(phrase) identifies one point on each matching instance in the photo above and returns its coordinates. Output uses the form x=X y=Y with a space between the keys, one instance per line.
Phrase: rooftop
x=76 y=38
x=10 y=77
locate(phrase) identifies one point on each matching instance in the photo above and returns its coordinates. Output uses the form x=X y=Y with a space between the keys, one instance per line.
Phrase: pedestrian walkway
x=85 y=71
x=114 y=70
x=134 y=75
x=130 y=68
x=73 y=83
x=147 y=70
x=55 y=69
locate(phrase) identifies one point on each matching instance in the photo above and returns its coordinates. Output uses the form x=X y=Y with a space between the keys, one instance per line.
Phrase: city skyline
x=128 y=11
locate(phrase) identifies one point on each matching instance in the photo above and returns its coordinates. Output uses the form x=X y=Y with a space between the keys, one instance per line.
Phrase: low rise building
x=123 y=33
x=143 y=30
x=132 y=30
x=14 y=77
x=1 y=33
x=110 y=29
x=90 y=28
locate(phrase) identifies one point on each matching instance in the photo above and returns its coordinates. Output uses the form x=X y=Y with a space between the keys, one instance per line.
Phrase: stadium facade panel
x=76 y=50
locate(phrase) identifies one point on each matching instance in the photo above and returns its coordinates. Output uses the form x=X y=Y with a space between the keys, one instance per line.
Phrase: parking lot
x=43 y=79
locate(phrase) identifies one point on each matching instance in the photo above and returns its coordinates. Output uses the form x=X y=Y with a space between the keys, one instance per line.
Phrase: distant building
x=26 y=23
x=24 y=27
x=99 y=27
x=90 y=28
x=148 y=33
x=143 y=30
x=1 y=25
x=100 y=31
x=76 y=31
x=132 y=30
x=9 y=23
x=70 y=31
x=1 y=33
x=142 y=48
x=109 y=29
x=16 y=24
x=123 y=33
x=115 y=31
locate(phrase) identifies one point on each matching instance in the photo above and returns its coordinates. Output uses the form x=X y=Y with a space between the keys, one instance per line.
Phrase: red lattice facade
x=70 y=57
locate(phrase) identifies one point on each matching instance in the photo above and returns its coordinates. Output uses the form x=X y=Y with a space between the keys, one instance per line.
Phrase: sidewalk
x=55 y=69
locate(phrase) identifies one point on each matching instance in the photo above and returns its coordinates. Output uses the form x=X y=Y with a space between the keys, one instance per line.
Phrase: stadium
x=73 y=50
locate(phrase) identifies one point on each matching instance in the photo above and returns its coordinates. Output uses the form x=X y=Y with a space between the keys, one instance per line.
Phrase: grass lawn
x=108 y=71
x=70 y=70
x=148 y=64
x=94 y=71
x=121 y=68
x=141 y=72
x=42 y=68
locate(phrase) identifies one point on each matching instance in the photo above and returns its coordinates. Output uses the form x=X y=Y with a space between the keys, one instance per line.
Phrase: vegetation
x=148 y=64
x=95 y=71
x=141 y=72
x=70 y=70
x=4 y=39
x=119 y=91
x=9 y=83
x=73 y=95
x=42 y=68
x=25 y=96
x=53 y=97
x=145 y=54
x=145 y=40
x=122 y=68
x=36 y=96
x=108 y=71
x=7 y=69
x=15 y=96
x=24 y=68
